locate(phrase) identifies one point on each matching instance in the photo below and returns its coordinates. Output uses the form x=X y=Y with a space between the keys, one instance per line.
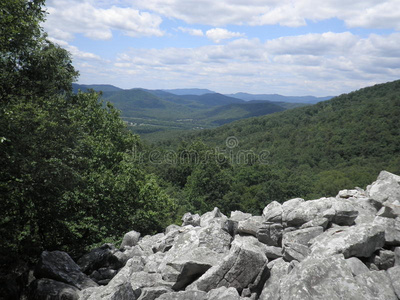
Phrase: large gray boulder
x=184 y=295
x=360 y=241
x=385 y=188
x=321 y=278
x=240 y=268
x=101 y=257
x=223 y=293
x=130 y=239
x=250 y=225
x=49 y=289
x=190 y=219
x=152 y=293
x=270 y=234
x=340 y=212
x=273 y=212
x=193 y=253
x=279 y=269
x=357 y=266
x=59 y=266
x=377 y=285
x=212 y=216
x=392 y=230
x=295 y=251
x=394 y=275
x=301 y=236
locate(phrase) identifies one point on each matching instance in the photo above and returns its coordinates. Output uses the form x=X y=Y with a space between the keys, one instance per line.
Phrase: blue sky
x=289 y=47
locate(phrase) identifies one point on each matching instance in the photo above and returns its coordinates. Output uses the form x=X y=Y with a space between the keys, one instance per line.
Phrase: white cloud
x=358 y=13
x=319 y=64
x=218 y=34
x=75 y=52
x=67 y=18
x=192 y=31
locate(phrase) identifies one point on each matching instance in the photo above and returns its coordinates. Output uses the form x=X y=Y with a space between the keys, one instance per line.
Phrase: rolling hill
x=157 y=111
x=309 y=151
x=280 y=98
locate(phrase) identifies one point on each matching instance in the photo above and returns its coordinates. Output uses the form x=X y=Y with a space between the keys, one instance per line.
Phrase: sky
x=288 y=47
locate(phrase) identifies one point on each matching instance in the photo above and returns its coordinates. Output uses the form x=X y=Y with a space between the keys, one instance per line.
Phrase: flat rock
x=360 y=241
x=184 y=295
x=240 y=268
x=301 y=236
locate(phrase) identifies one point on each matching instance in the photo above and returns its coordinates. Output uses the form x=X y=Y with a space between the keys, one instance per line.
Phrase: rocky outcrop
x=343 y=247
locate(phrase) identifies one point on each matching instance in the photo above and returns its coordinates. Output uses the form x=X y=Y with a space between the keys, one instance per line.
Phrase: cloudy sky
x=289 y=47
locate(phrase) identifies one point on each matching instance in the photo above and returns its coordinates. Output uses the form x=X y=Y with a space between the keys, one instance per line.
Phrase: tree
x=69 y=178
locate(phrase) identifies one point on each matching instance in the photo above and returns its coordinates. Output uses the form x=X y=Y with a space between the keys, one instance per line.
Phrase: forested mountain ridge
x=154 y=112
x=278 y=98
x=311 y=151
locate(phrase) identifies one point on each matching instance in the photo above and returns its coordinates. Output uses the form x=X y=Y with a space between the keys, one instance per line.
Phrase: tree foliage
x=69 y=176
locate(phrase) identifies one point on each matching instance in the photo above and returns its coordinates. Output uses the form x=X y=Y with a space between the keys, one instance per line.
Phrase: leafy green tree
x=69 y=176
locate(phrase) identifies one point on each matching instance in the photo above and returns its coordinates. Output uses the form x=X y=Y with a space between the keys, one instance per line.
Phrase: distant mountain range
x=276 y=97
x=154 y=111
x=201 y=92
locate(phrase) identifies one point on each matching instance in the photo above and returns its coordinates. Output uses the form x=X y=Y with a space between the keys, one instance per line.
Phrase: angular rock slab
x=360 y=241
x=377 y=285
x=341 y=212
x=394 y=275
x=240 y=268
x=279 y=269
x=223 y=293
x=50 y=289
x=385 y=188
x=193 y=253
x=321 y=278
x=301 y=236
x=130 y=239
x=59 y=266
x=184 y=295
x=392 y=230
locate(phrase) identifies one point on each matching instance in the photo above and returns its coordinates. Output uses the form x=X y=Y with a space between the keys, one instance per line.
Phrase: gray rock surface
x=44 y=289
x=394 y=275
x=385 y=188
x=184 y=295
x=130 y=239
x=270 y=234
x=360 y=241
x=301 y=236
x=238 y=269
x=321 y=278
x=357 y=266
x=327 y=249
x=377 y=284
x=271 y=290
x=59 y=266
x=189 y=219
x=392 y=230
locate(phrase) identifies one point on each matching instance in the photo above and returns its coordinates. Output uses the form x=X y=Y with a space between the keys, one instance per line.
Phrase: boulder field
x=343 y=247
